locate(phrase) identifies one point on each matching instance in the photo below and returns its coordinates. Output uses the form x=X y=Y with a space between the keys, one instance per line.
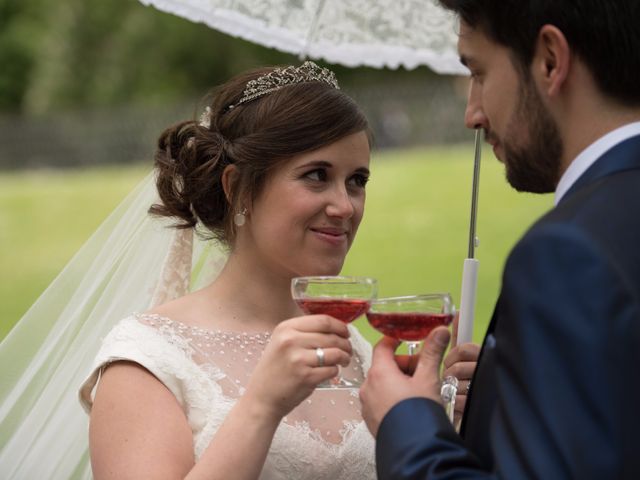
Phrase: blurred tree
x=103 y=53
x=69 y=53
x=20 y=29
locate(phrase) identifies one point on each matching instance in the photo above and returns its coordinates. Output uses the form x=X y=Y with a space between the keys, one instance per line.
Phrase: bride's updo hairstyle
x=255 y=133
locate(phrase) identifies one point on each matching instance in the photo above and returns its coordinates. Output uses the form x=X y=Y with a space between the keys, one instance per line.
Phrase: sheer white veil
x=132 y=262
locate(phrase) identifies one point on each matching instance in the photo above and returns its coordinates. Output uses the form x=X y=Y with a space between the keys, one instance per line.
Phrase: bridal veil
x=132 y=262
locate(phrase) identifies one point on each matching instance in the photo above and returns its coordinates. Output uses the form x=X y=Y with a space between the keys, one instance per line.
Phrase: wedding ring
x=468 y=386
x=320 y=356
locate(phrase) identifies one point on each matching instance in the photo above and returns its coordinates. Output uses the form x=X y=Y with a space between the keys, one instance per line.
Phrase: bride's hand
x=461 y=362
x=288 y=370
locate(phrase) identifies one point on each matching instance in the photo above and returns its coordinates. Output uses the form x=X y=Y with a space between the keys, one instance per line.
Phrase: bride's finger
x=461 y=400
x=291 y=340
x=467 y=352
x=323 y=340
x=322 y=374
x=327 y=357
x=460 y=370
x=463 y=387
x=319 y=324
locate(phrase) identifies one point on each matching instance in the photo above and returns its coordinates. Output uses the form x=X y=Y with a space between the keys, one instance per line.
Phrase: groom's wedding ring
x=320 y=356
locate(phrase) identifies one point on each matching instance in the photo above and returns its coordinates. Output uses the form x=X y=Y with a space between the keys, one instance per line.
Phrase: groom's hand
x=386 y=383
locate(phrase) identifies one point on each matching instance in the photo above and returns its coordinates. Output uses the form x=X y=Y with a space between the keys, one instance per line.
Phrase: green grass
x=45 y=217
x=413 y=237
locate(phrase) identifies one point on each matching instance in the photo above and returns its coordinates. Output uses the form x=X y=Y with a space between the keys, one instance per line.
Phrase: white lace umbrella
x=374 y=33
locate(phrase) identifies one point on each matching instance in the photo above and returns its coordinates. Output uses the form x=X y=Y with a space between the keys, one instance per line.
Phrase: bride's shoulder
x=150 y=326
x=188 y=310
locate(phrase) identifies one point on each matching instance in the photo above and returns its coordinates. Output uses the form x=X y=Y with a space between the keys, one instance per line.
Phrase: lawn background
x=413 y=238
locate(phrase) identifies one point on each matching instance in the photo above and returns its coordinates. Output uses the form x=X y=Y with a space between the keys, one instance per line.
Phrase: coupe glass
x=344 y=298
x=411 y=319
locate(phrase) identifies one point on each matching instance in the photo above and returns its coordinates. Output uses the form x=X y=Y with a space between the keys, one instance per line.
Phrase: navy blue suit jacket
x=556 y=393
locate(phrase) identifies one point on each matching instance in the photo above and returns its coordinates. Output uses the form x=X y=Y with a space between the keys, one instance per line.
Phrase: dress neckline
x=182 y=327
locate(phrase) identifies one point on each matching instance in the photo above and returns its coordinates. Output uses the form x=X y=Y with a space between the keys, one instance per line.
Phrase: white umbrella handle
x=467 y=300
x=470 y=268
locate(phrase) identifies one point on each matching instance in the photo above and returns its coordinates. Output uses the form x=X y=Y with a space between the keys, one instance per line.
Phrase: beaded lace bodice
x=323 y=438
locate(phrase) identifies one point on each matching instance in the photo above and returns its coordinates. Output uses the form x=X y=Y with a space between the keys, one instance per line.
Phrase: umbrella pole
x=304 y=53
x=470 y=266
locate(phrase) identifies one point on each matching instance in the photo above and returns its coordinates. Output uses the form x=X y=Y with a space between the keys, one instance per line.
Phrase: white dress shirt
x=590 y=154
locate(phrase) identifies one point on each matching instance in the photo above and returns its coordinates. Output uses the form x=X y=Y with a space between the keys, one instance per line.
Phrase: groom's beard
x=532 y=156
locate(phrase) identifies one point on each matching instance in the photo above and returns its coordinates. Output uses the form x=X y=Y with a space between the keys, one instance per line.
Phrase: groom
x=556 y=87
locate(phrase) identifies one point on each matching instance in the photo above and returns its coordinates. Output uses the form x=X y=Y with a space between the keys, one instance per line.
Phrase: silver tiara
x=282 y=77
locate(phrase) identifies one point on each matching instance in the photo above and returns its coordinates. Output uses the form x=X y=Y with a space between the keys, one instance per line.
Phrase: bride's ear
x=228 y=179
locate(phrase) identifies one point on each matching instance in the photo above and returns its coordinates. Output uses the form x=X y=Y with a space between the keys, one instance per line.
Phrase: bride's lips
x=335 y=236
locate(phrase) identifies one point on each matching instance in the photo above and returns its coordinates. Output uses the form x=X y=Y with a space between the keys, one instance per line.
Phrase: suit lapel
x=621 y=157
x=487 y=344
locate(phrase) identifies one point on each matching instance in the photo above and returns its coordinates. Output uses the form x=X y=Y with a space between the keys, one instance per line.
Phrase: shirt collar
x=590 y=154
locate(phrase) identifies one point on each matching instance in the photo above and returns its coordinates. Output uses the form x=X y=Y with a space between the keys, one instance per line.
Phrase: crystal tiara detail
x=282 y=77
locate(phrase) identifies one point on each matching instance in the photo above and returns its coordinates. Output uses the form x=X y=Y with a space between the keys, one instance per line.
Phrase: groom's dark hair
x=604 y=34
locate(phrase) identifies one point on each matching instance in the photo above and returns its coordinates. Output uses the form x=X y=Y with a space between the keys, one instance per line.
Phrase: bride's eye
x=317 y=175
x=359 y=180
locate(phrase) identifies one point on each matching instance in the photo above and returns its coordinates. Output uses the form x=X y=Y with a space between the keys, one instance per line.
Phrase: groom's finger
x=407 y=363
x=384 y=351
x=385 y=347
x=433 y=349
x=454 y=329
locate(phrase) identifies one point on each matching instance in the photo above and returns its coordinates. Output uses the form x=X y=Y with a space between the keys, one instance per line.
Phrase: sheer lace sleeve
x=132 y=341
x=167 y=355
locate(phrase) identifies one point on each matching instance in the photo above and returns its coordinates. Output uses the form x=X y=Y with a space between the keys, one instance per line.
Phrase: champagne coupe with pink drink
x=344 y=298
x=411 y=319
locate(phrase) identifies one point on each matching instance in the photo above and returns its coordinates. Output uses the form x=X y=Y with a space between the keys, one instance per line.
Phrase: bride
x=211 y=372
x=276 y=172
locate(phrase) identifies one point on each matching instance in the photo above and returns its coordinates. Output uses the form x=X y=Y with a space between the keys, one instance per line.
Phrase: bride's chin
x=325 y=270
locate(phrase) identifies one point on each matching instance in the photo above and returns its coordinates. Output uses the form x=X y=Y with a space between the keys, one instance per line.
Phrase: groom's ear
x=552 y=60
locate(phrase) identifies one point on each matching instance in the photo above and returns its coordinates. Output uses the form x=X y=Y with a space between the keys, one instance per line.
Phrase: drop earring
x=240 y=218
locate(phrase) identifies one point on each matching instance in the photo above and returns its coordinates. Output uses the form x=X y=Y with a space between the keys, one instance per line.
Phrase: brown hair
x=255 y=136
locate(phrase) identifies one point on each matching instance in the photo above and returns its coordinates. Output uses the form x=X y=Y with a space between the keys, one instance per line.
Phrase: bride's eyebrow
x=315 y=164
x=329 y=165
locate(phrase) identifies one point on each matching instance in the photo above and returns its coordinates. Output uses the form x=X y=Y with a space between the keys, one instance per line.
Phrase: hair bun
x=174 y=162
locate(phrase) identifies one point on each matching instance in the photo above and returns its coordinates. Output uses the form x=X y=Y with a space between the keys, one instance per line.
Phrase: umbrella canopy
x=374 y=33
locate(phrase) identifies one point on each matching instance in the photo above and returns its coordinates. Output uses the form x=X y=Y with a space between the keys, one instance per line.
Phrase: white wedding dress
x=323 y=438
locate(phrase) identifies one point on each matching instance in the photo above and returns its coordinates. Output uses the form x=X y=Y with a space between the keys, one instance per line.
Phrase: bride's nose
x=340 y=204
